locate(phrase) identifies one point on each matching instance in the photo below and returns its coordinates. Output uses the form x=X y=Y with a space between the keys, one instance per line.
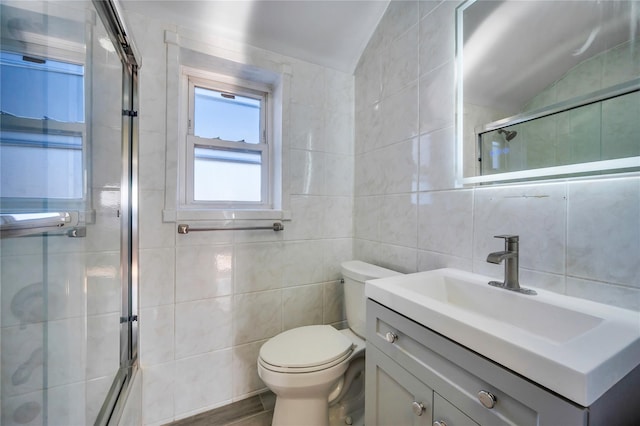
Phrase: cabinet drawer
x=459 y=374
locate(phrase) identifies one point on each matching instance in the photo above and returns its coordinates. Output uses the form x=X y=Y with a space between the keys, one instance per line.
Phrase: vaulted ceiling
x=330 y=33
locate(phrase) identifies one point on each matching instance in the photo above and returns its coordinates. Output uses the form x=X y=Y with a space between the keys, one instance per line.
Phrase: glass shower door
x=61 y=257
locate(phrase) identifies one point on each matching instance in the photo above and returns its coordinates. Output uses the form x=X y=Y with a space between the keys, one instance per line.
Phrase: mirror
x=547 y=89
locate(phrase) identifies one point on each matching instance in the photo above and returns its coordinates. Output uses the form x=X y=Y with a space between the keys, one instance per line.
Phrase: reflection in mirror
x=547 y=88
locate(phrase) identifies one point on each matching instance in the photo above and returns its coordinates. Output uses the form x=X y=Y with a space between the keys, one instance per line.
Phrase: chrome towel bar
x=185 y=229
x=23 y=224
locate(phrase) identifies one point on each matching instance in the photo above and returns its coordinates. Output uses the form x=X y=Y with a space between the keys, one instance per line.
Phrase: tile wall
x=209 y=300
x=577 y=237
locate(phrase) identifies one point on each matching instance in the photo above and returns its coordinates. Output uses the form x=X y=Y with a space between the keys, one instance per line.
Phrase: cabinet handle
x=418 y=408
x=487 y=399
x=391 y=337
x=439 y=423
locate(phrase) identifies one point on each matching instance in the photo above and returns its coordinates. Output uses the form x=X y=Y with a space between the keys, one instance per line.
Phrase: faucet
x=510 y=258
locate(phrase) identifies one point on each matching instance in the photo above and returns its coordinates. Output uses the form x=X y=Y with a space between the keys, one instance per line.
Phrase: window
x=227 y=149
x=42 y=128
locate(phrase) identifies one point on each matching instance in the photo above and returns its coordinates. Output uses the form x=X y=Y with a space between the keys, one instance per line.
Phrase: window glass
x=226 y=116
x=227 y=175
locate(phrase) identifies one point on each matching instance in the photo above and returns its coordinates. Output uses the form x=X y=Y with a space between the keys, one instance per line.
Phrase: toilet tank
x=355 y=273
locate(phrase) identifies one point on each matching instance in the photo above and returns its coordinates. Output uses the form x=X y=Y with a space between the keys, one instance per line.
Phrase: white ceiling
x=332 y=33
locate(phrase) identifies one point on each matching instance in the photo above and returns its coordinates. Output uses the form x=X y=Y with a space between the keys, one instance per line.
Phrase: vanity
x=445 y=349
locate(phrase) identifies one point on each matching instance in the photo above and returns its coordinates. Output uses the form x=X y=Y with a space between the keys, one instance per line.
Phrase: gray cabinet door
x=446 y=414
x=394 y=397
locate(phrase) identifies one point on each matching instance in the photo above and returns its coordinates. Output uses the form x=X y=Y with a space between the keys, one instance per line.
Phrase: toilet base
x=301 y=412
x=350 y=409
x=354 y=418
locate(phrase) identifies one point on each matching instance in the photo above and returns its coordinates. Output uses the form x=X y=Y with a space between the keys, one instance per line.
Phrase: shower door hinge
x=129 y=113
x=130 y=318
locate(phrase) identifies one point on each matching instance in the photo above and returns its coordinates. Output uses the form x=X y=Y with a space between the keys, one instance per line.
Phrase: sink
x=545 y=320
x=574 y=347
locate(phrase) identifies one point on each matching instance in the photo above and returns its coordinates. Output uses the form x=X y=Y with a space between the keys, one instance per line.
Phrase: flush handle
x=487 y=399
x=439 y=423
x=391 y=337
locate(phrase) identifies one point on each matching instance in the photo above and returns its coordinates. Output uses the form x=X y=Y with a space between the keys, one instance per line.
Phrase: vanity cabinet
x=399 y=398
x=415 y=376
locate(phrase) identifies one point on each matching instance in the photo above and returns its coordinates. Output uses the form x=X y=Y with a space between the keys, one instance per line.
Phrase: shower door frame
x=111 y=15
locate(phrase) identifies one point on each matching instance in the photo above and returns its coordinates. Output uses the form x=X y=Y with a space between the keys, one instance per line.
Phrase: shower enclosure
x=68 y=281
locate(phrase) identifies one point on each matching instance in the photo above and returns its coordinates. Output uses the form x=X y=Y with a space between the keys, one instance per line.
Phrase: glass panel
x=61 y=285
x=223 y=175
x=226 y=116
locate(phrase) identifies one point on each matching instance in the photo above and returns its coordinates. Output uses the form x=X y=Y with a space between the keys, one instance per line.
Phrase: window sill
x=196 y=215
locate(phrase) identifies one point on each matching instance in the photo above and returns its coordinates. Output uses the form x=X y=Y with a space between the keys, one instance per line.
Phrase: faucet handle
x=508 y=238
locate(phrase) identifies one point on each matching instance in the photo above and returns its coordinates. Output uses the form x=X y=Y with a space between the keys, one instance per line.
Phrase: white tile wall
x=398 y=219
x=300 y=262
x=202 y=272
x=302 y=305
x=446 y=222
x=199 y=380
x=158 y=381
x=245 y=368
x=437 y=160
x=535 y=212
x=211 y=299
x=601 y=245
x=581 y=238
x=157 y=334
x=202 y=326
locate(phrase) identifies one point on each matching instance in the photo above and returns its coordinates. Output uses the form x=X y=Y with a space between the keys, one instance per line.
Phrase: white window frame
x=193 y=78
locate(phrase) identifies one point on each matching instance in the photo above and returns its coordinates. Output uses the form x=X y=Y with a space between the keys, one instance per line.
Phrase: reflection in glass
x=42 y=131
x=60 y=108
x=557 y=73
x=606 y=130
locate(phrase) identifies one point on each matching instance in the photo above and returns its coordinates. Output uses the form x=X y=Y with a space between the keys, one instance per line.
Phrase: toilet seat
x=305 y=349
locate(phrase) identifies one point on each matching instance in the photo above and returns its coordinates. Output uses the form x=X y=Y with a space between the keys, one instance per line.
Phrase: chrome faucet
x=510 y=258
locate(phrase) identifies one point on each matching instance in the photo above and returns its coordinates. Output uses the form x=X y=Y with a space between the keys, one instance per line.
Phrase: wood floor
x=254 y=411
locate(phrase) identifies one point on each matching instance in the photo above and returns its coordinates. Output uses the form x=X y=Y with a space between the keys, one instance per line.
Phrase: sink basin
x=574 y=347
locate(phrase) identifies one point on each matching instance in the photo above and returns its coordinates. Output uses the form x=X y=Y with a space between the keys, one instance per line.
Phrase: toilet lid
x=304 y=347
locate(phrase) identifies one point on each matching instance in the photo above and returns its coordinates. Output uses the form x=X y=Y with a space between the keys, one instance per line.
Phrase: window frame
x=193 y=78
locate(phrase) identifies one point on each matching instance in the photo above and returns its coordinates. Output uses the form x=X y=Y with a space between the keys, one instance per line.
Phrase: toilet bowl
x=314 y=367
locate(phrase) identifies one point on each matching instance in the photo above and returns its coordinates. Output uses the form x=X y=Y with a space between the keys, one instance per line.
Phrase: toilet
x=317 y=369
